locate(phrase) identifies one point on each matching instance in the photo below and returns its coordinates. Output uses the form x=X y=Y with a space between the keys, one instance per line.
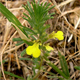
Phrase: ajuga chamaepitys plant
x=35 y=37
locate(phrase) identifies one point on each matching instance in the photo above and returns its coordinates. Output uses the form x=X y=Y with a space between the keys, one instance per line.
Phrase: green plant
x=36 y=38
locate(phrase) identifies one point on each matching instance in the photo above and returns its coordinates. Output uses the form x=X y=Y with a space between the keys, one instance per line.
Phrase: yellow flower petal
x=37 y=53
x=49 y=48
x=29 y=50
x=33 y=50
x=58 y=35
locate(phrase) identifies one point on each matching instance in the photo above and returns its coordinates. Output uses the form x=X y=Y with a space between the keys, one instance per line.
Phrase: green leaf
x=56 y=68
x=28 y=29
x=14 y=20
x=46 y=6
x=32 y=37
x=26 y=16
x=52 y=14
x=3 y=61
x=9 y=15
x=63 y=64
x=51 y=7
x=17 y=39
x=33 y=69
x=77 y=67
x=19 y=43
x=13 y=75
x=23 y=53
x=28 y=43
x=38 y=15
x=55 y=77
x=29 y=6
x=29 y=78
x=45 y=27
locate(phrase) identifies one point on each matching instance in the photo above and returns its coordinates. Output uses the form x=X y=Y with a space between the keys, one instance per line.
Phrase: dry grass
x=67 y=19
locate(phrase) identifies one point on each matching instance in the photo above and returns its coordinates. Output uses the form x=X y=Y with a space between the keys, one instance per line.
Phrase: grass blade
x=9 y=15
x=14 y=20
x=13 y=75
x=58 y=70
x=64 y=65
x=77 y=67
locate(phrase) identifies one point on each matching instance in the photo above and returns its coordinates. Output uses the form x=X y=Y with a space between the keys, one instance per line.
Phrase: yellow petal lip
x=49 y=48
x=33 y=50
x=28 y=50
x=37 y=53
x=58 y=35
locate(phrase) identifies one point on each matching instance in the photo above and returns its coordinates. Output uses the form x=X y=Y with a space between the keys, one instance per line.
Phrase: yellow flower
x=49 y=48
x=33 y=50
x=58 y=35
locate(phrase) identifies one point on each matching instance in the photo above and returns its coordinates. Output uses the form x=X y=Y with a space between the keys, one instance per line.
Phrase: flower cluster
x=34 y=49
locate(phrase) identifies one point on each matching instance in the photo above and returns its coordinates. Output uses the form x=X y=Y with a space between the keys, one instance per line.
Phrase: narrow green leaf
x=29 y=78
x=17 y=39
x=77 y=67
x=9 y=15
x=14 y=20
x=46 y=7
x=24 y=31
x=28 y=43
x=50 y=73
x=45 y=27
x=26 y=19
x=63 y=64
x=26 y=15
x=23 y=53
x=52 y=17
x=26 y=7
x=33 y=37
x=29 y=6
x=19 y=43
x=55 y=77
x=58 y=70
x=11 y=74
x=3 y=61
x=28 y=29
x=51 y=8
x=52 y=14
x=44 y=4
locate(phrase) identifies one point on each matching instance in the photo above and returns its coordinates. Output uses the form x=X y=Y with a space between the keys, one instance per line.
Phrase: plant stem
x=39 y=69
